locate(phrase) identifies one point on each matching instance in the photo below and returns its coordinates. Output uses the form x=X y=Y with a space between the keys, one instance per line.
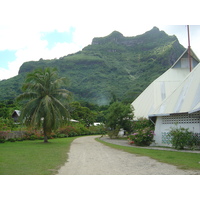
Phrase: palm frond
x=26 y=96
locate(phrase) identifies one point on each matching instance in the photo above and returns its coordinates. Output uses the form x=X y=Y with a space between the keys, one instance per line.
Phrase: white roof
x=185 y=98
x=161 y=88
x=18 y=112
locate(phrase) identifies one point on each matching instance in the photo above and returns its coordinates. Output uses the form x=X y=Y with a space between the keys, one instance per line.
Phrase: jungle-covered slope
x=111 y=66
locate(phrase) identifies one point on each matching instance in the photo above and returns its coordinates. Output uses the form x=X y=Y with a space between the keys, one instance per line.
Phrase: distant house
x=73 y=120
x=16 y=115
x=172 y=99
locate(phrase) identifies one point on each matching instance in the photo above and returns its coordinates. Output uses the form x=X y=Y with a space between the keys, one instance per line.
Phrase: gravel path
x=125 y=143
x=89 y=157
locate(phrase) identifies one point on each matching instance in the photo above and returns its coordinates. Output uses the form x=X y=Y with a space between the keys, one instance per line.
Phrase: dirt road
x=89 y=157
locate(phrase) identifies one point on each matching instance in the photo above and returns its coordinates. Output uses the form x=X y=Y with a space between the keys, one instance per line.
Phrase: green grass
x=180 y=159
x=38 y=158
x=33 y=157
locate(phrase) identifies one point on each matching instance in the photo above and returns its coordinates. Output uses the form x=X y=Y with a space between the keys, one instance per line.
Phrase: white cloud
x=36 y=52
x=24 y=22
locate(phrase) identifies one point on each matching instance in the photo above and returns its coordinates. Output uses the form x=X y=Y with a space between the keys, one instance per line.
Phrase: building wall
x=165 y=123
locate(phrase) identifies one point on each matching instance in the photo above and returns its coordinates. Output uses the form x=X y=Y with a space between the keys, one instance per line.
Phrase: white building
x=173 y=98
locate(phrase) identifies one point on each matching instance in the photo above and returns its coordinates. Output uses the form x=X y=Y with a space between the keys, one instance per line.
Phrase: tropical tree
x=83 y=114
x=46 y=107
x=118 y=116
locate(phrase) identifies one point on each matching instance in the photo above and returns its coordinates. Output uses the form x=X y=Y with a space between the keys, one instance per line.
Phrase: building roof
x=161 y=88
x=195 y=59
x=17 y=112
x=185 y=98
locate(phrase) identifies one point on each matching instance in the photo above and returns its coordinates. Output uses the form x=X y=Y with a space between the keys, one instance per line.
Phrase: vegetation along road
x=89 y=157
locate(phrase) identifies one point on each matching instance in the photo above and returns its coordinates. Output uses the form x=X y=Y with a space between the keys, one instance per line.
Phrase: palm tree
x=44 y=108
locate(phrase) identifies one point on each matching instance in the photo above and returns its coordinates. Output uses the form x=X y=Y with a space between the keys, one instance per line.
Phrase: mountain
x=112 y=66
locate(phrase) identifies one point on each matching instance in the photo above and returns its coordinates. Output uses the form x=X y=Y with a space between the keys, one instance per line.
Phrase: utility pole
x=189 y=49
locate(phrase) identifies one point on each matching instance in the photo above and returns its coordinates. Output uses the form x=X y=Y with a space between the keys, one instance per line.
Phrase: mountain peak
x=155 y=29
x=115 y=36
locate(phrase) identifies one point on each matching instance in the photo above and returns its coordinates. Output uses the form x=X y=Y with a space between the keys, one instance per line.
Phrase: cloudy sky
x=48 y=29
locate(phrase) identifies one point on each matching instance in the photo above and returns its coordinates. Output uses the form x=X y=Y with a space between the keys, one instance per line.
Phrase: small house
x=16 y=115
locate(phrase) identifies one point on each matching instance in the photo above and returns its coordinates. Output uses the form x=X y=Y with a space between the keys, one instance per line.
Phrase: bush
x=81 y=129
x=33 y=137
x=19 y=139
x=182 y=138
x=100 y=129
x=41 y=138
x=142 y=123
x=194 y=141
x=66 y=131
x=11 y=140
x=3 y=134
x=143 y=137
x=2 y=140
x=61 y=135
x=113 y=133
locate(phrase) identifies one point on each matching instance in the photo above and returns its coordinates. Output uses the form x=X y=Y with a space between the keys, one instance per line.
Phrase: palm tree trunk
x=45 y=132
x=45 y=138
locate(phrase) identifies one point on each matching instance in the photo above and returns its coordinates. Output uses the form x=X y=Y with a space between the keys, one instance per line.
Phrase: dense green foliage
x=183 y=138
x=46 y=106
x=119 y=116
x=7 y=108
x=143 y=137
x=143 y=132
x=82 y=114
x=112 y=65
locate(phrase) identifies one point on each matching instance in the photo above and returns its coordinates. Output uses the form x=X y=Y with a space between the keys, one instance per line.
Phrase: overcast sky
x=32 y=29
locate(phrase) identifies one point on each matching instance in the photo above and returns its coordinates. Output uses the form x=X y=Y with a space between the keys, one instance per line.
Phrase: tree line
x=46 y=104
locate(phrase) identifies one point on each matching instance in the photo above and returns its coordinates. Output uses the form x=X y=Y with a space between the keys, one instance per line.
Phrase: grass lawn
x=33 y=157
x=180 y=159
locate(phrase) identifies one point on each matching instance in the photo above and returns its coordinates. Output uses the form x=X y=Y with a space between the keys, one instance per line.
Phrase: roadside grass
x=34 y=157
x=183 y=160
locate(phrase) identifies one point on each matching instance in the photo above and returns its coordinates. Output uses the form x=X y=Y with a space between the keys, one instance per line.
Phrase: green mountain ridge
x=111 y=66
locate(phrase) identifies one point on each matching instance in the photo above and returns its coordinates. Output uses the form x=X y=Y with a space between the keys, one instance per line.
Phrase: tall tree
x=118 y=116
x=45 y=107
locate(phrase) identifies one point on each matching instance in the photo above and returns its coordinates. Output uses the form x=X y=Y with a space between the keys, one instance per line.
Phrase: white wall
x=165 y=123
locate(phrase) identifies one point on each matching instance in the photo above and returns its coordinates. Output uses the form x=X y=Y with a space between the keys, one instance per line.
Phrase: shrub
x=100 y=129
x=113 y=133
x=143 y=137
x=2 y=140
x=182 y=138
x=41 y=138
x=81 y=129
x=11 y=140
x=33 y=137
x=194 y=141
x=27 y=135
x=19 y=139
x=142 y=123
x=68 y=131
x=3 y=134
x=61 y=135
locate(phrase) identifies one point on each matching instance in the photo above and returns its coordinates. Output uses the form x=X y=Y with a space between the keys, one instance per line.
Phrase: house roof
x=185 y=98
x=185 y=55
x=17 y=112
x=161 y=88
